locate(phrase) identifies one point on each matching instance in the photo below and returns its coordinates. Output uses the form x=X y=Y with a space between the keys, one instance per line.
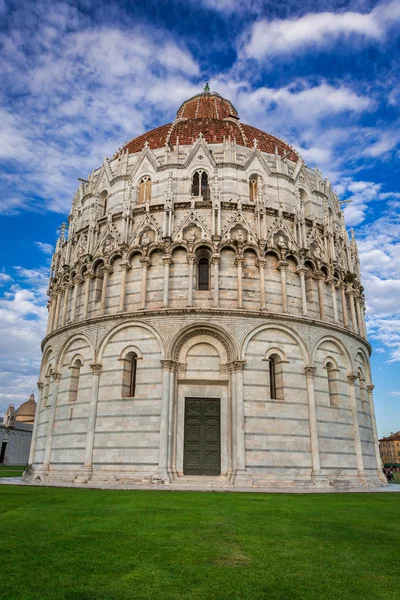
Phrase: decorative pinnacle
x=206 y=89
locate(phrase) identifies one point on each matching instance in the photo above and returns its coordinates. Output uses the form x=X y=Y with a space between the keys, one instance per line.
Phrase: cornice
x=163 y=313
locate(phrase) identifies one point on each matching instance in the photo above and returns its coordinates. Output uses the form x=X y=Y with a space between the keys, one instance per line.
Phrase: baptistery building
x=206 y=319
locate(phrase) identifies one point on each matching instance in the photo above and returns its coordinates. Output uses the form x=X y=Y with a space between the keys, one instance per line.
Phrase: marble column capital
x=96 y=368
x=310 y=371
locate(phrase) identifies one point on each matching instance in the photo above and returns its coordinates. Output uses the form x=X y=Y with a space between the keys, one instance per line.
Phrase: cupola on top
x=217 y=120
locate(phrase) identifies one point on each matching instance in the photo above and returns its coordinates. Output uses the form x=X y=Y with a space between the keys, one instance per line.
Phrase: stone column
x=312 y=416
x=57 y=311
x=357 y=440
x=51 y=315
x=353 y=311
x=124 y=269
x=216 y=259
x=319 y=277
x=163 y=471
x=190 y=260
x=40 y=386
x=282 y=266
x=302 y=271
x=107 y=273
x=359 y=320
x=261 y=262
x=167 y=260
x=382 y=477
x=77 y=281
x=91 y=427
x=145 y=265
x=65 y=305
x=87 y=278
x=238 y=419
x=332 y=282
x=239 y=263
x=344 y=305
x=52 y=417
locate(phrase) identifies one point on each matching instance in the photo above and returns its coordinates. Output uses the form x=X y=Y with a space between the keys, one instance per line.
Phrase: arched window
x=275 y=377
x=144 y=190
x=332 y=383
x=46 y=389
x=203 y=277
x=200 y=185
x=103 y=205
x=253 y=183
x=98 y=282
x=363 y=392
x=129 y=375
x=74 y=381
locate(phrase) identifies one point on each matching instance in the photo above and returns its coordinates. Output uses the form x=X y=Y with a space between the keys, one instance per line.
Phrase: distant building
x=16 y=433
x=389 y=448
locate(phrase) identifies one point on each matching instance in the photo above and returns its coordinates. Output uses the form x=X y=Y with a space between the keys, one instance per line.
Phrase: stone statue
x=9 y=416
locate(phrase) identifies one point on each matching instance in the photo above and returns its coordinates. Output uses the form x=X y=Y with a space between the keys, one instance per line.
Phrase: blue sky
x=78 y=79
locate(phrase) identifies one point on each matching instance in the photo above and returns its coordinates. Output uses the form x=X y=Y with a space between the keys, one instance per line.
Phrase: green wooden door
x=202 y=445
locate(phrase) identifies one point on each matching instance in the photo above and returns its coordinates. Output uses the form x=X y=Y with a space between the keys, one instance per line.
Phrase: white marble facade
x=205 y=285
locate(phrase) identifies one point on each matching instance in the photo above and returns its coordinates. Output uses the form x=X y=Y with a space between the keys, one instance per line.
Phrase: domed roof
x=217 y=120
x=26 y=412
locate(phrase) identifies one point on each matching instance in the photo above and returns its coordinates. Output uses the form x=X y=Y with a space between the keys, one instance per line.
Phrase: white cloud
x=100 y=86
x=23 y=317
x=395 y=393
x=268 y=38
x=46 y=248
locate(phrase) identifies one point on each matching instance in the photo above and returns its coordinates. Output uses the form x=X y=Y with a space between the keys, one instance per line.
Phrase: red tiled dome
x=217 y=119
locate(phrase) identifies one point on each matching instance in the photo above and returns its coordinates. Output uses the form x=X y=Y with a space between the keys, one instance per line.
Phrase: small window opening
x=144 y=190
x=253 y=186
x=129 y=375
x=332 y=384
x=200 y=185
x=203 y=274
x=74 y=382
x=276 y=388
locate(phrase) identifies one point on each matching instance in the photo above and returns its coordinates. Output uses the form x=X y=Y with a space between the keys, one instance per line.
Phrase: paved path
x=174 y=487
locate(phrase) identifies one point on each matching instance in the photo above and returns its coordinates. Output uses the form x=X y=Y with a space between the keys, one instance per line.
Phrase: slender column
x=52 y=416
x=312 y=416
x=77 y=281
x=190 y=260
x=302 y=271
x=353 y=311
x=239 y=263
x=332 y=282
x=216 y=259
x=261 y=262
x=319 y=277
x=40 y=386
x=57 y=312
x=145 y=265
x=65 y=305
x=167 y=262
x=124 y=269
x=87 y=277
x=96 y=370
x=51 y=314
x=344 y=305
x=107 y=273
x=370 y=389
x=357 y=440
x=163 y=471
x=359 y=320
x=239 y=446
x=362 y=306
x=282 y=266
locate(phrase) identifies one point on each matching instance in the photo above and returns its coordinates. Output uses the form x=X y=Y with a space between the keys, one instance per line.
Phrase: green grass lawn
x=113 y=545
x=11 y=471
